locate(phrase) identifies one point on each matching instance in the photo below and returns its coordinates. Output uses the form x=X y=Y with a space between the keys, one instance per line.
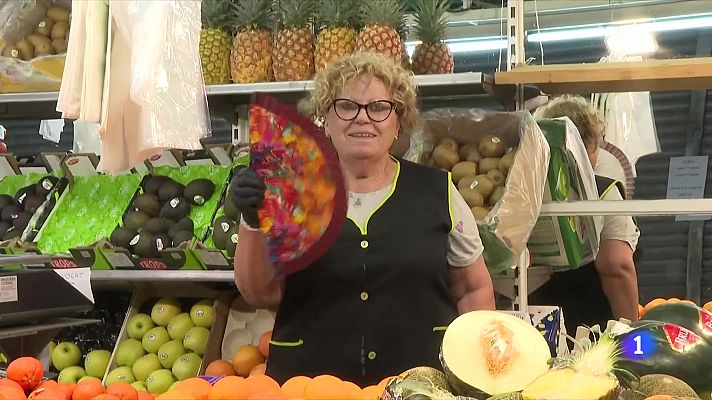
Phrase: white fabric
x=619 y=227
x=464 y=243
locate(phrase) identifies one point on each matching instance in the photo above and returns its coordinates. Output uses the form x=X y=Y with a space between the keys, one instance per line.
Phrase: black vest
x=377 y=302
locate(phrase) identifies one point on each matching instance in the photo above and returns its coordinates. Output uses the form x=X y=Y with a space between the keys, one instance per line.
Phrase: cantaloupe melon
x=657 y=384
x=490 y=353
x=424 y=383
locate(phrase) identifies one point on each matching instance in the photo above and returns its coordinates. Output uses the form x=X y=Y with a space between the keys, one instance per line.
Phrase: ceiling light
x=466 y=45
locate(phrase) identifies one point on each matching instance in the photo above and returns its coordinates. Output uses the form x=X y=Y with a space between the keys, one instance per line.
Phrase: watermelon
x=688 y=316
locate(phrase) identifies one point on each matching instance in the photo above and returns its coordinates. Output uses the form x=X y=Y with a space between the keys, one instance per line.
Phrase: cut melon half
x=489 y=352
x=567 y=384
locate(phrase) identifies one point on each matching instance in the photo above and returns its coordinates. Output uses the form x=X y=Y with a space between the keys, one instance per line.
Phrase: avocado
x=199 y=191
x=4 y=227
x=176 y=209
x=153 y=184
x=6 y=200
x=232 y=241
x=10 y=212
x=170 y=190
x=230 y=209
x=135 y=219
x=25 y=192
x=45 y=185
x=22 y=220
x=181 y=237
x=122 y=237
x=156 y=226
x=12 y=233
x=221 y=227
x=33 y=203
x=163 y=242
x=147 y=203
x=145 y=246
x=185 y=224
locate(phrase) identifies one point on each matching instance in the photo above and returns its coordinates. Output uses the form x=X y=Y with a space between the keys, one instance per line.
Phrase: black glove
x=247 y=192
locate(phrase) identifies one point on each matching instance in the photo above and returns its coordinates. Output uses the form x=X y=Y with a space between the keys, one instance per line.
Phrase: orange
x=264 y=343
x=260 y=384
x=689 y=302
x=652 y=304
x=353 y=389
x=47 y=393
x=175 y=395
x=144 y=395
x=259 y=369
x=27 y=371
x=105 y=396
x=229 y=388
x=246 y=358
x=87 y=389
x=294 y=387
x=673 y=300
x=10 y=383
x=196 y=387
x=220 y=368
x=641 y=310
x=123 y=391
x=370 y=393
x=326 y=387
x=47 y=384
x=67 y=388
x=9 y=392
x=268 y=395
x=708 y=306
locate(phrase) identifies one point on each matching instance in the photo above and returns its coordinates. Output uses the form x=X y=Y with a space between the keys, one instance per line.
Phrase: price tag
x=8 y=289
x=119 y=260
x=213 y=258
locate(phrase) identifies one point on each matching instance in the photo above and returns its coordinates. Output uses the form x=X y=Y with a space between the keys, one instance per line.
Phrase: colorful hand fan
x=305 y=201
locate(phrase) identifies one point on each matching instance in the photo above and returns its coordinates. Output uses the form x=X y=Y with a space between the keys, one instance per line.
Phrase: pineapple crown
x=382 y=12
x=296 y=12
x=337 y=13
x=248 y=15
x=430 y=20
x=215 y=14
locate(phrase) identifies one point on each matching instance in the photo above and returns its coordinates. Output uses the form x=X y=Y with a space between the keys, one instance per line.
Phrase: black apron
x=377 y=303
x=579 y=292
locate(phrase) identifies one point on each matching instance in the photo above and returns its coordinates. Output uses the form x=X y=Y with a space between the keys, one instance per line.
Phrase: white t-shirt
x=619 y=227
x=464 y=243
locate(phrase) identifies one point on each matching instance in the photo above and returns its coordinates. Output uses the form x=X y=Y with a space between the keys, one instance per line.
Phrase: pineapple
x=403 y=32
x=251 y=57
x=432 y=56
x=382 y=19
x=338 y=38
x=294 y=45
x=215 y=42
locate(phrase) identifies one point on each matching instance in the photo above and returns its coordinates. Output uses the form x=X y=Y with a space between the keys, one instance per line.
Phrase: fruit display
x=19 y=204
x=432 y=55
x=294 y=42
x=163 y=343
x=337 y=37
x=251 y=56
x=49 y=37
x=214 y=47
x=381 y=18
x=86 y=350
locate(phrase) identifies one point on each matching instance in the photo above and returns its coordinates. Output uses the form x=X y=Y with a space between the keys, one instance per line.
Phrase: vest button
x=371 y=355
x=364 y=244
x=364 y=296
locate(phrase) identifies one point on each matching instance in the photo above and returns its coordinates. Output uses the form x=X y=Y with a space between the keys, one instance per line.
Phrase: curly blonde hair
x=331 y=81
x=585 y=116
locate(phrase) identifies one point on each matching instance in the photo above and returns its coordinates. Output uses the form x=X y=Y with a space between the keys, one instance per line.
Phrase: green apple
x=202 y=313
x=71 y=375
x=138 y=325
x=145 y=365
x=155 y=338
x=188 y=365
x=86 y=378
x=169 y=353
x=120 y=374
x=196 y=339
x=140 y=386
x=173 y=386
x=164 y=310
x=96 y=362
x=52 y=345
x=159 y=381
x=128 y=352
x=179 y=326
x=66 y=354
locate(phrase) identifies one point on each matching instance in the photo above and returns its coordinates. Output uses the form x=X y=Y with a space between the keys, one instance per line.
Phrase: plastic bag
x=37 y=63
x=507 y=227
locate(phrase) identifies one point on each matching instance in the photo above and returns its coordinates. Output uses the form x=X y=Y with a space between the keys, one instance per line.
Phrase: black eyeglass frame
x=364 y=107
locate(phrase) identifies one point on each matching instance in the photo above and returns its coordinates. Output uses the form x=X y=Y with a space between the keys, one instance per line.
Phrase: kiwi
x=472 y=197
x=182 y=237
x=469 y=152
x=445 y=158
x=176 y=209
x=27 y=51
x=170 y=190
x=44 y=27
x=24 y=193
x=496 y=196
x=6 y=200
x=135 y=219
x=498 y=178
x=163 y=242
x=147 y=203
x=10 y=212
x=462 y=169
x=37 y=40
x=488 y=164
x=506 y=162
x=58 y=13
x=221 y=227
x=59 y=30
x=45 y=185
x=481 y=183
x=22 y=220
x=11 y=52
x=145 y=246
x=59 y=46
x=492 y=146
x=122 y=237
x=232 y=241
x=33 y=203
x=43 y=49
x=199 y=191
x=156 y=226
x=480 y=213
x=450 y=143
x=230 y=209
x=153 y=183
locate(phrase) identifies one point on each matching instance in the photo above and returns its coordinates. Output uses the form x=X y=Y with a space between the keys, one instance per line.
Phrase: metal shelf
x=161 y=276
x=629 y=207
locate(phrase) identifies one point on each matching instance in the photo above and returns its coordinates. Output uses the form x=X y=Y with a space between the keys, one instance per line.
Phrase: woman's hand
x=247 y=192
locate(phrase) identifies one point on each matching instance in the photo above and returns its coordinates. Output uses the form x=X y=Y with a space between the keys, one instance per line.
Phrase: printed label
x=153 y=264
x=680 y=339
x=63 y=263
x=174 y=202
x=215 y=258
x=8 y=289
x=706 y=321
x=118 y=260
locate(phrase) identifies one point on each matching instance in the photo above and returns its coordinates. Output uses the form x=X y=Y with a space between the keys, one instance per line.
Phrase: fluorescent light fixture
x=466 y=45
x=629 y=40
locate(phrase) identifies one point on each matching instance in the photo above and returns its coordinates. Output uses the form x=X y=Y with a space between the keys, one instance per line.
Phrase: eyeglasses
x=377 y=111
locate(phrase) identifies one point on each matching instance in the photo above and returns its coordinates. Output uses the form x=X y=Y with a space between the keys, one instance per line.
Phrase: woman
x=607 y=287
x=407 y=260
